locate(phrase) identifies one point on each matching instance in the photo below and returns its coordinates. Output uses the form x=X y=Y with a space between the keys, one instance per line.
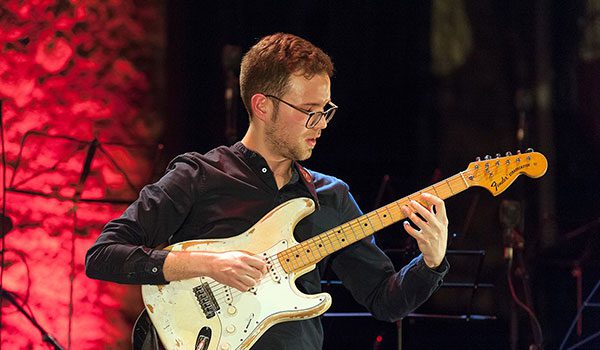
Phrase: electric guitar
x=202 y=314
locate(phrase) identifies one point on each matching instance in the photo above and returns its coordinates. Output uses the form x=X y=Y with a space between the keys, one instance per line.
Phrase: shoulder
x=198 y=160
x=325 y=183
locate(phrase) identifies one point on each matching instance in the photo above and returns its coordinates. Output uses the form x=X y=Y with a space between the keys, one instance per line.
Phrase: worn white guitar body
x=200 y=313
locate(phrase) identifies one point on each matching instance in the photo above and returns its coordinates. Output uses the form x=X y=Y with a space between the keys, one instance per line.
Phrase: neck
x=279 y=165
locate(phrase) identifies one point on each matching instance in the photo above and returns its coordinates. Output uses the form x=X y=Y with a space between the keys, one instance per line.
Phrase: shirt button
x=264 y=170
x=155 y=269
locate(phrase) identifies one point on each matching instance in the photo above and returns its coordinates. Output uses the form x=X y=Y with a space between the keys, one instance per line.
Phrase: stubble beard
x=282 y=142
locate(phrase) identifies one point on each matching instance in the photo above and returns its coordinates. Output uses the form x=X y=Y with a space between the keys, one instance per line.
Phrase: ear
x=261 y=106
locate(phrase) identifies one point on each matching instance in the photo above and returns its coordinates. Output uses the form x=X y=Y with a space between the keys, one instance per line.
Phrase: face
x=285 y=131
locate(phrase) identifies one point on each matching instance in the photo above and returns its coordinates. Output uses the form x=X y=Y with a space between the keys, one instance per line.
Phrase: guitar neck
x=315 y=249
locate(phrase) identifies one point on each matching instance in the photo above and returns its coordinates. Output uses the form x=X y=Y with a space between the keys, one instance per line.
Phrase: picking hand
x=237 y=269
x=432 y=238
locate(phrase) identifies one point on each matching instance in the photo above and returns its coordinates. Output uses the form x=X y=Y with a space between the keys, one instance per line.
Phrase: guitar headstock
x=496 y=174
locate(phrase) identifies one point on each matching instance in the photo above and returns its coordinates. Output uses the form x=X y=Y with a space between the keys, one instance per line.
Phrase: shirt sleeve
x=127 y=250
x=370 y=277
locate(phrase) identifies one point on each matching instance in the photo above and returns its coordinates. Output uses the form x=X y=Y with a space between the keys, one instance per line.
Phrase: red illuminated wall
x=72 y=71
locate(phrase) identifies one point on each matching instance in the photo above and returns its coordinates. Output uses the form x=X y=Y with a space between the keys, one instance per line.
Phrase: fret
x=370 y=227
x=336 y=238
x=387 y=207
x=323 y=245
x=449 y=187
x=314 y=249
x=383 y=224
x=462 y=176
x=308 y=249
x=353 y=229
x=328 y=236
x=373 y=227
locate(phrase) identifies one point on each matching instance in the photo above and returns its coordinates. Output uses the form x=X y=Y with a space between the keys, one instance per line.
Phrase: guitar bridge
x=206 y=299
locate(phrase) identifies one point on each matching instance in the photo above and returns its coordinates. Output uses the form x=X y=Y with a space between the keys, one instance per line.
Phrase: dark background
x=397 y=118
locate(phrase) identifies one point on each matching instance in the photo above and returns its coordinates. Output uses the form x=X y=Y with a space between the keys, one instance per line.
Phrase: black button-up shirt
x=222 y=194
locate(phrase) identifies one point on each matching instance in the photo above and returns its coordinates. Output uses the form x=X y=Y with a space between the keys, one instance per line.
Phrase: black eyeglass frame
x=319 y=114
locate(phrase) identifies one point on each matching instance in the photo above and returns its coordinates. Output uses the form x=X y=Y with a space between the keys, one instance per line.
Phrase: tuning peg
x=530 y=150
x=508 y=154
x=478 y=159
x=519 y=151
x=487 y=157
x=497 y=155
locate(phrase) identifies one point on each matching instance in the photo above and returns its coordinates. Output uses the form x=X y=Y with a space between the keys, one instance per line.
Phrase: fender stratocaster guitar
x=200 y=313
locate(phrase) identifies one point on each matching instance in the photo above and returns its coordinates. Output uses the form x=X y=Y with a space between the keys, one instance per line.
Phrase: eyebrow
x=315 y=104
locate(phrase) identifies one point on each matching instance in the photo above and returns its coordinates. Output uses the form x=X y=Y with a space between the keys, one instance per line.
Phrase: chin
x=306 y=155
x=303 y=155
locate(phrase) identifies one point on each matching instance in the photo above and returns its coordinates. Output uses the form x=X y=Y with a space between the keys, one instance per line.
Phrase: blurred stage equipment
x=46 y=337
x=397 y=254
x=73 y=147
x=231 y=59
x=514 y=244
x=410 y=249
x=6 y=224
x=577 y=272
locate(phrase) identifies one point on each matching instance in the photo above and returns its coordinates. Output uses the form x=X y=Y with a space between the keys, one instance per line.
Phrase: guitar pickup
x=207 y=300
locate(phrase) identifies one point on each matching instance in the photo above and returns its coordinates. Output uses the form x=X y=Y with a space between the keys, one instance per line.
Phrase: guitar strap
x=307 y=179
x=144 y=334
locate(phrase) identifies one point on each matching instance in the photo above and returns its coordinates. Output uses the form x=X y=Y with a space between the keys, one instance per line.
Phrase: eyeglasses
x=314 y=117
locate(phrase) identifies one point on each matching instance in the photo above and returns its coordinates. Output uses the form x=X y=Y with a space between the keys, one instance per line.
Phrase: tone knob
x=230 y=328
x=225 y=346
x=231 y=310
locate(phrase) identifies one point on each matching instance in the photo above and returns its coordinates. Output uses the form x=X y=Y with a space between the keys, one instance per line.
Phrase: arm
x=127 y=249
x=370 y=276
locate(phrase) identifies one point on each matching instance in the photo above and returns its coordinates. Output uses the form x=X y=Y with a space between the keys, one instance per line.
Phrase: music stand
x=581 y=307
x=73 y=151
x=474 y=285
x=586 y=304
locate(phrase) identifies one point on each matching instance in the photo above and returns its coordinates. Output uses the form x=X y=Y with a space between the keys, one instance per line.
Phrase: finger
x=253 y=273
x=412 y=232
x=256 y=262
x=440 y=207
x=410 y=213
x=246 y=282
x=424 y=212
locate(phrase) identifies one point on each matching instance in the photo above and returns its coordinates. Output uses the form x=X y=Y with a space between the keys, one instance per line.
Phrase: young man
x=285 y=86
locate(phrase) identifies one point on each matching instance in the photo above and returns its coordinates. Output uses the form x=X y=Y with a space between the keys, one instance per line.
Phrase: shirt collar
x=305 y=176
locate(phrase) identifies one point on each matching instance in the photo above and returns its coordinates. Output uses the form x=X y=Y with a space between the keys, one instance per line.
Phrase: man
x=285 y=86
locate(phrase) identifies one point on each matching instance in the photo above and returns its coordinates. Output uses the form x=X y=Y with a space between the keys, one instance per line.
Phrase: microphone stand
x=514 y=246
x=46 y=337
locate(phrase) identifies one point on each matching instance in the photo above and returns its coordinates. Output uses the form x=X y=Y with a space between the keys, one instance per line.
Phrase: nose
x=322 y=124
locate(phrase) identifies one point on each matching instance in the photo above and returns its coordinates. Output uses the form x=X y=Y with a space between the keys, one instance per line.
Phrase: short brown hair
x=267 y=66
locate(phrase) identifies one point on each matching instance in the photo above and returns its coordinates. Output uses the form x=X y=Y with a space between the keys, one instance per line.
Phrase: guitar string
x=353 y=225
x=224 y=292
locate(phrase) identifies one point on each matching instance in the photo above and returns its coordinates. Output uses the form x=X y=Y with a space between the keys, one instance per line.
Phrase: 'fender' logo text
x=497 y=185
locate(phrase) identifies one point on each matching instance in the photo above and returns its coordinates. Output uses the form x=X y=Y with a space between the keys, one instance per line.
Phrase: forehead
x=309 y=89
